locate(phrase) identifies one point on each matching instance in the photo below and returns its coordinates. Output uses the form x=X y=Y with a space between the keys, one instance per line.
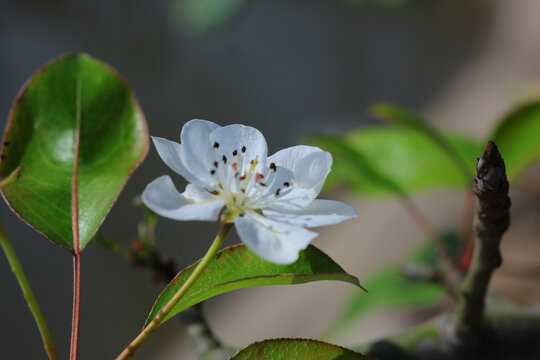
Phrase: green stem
x=28 y=294
x=210 y=255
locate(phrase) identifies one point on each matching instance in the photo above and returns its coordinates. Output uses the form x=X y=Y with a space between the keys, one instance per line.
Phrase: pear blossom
x=271 y=199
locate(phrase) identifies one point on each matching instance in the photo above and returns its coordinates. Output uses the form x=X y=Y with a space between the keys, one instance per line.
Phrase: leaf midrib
x=74 y=188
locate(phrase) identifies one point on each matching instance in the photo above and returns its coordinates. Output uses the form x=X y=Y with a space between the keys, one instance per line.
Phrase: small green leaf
x=14 y=175
x=389 y=161
x=389 y=288
x=79 y=133
x=518 y=138
x=405 y=118
x=237 y=267
x=289 y=349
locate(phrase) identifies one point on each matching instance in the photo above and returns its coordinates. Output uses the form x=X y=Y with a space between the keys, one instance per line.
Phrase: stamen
x=242 y=178
x=224 y=158
x=234 y=152
x=258 y=176
x=216 y=145
x=262 y=184
x=243 y=149
x=216 y=163
x=233 y=166
x=212 y=172
x=286 y=184
x=277 y=191
x=273 y=166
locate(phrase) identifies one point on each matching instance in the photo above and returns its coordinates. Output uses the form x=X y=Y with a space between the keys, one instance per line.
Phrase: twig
x=511 y=334
x=208 y=257
x=202 y=337
x=28 y=295
x=465 y=231
x=491 y=221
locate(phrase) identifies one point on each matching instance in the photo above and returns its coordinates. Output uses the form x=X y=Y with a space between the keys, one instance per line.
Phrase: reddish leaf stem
x=450 y=274
x=76 y=306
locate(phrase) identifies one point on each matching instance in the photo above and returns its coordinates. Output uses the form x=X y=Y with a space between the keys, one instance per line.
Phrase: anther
x=6 y=143
x=286 y=184
x=233 y=166
x=236 y=175
x=251 y=162
x=216 y=163
x=277 y=192
x=258 y=176
x=235 y=152
x=212 y=172
x=243 y=149
x=262 y=184
x=273 y=166
x=242 y=178
x=216 y=145
x=243 y=190
x=224 y=158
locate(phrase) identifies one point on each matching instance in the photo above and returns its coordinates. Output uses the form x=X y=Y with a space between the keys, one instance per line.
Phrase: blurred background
x=290 y=68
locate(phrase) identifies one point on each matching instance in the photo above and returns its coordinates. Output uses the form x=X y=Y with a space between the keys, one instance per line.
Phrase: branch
x=491 y=221
x=509 y=334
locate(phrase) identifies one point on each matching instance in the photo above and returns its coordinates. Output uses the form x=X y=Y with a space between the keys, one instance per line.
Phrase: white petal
x=194 y=204
x=318 y=213
x=273 y=241
x=198 y=152
x=311 y=170
x=309 y=164
x=172 y=153
x=242 y=140
x=287 y=157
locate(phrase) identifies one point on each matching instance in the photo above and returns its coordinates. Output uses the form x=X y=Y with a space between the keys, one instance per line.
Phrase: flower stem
x=28 y=295
x=208 y=257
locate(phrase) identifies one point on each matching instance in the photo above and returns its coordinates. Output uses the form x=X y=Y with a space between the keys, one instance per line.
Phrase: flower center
x=243 y=186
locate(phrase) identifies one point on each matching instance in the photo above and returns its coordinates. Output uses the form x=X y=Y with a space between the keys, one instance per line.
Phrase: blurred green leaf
x=75 y=119
x=201 y=16
x=382 y=160
x=518 y=138
x=390 y=288
x=237 y=267
x=405 y=118
x=288 y=349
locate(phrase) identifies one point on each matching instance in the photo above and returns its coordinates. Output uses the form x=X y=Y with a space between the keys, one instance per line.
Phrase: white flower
x=270 y=199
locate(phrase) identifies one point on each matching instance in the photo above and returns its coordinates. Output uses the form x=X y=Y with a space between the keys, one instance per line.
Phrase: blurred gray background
x=289 y=68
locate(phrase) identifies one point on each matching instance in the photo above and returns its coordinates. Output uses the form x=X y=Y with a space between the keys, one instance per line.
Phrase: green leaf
x=79 y=132
x=383 y=161
x=236 y=267
x=389 y=288
x=288 y=349
x=518 y=138
x=402 y=117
